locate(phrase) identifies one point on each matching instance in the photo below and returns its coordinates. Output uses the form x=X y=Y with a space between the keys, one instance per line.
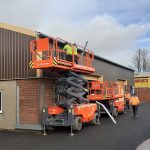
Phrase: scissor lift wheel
x=77 y=126
x=95 y=120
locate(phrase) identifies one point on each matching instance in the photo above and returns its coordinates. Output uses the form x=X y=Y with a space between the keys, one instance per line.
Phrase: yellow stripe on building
x=142 y=82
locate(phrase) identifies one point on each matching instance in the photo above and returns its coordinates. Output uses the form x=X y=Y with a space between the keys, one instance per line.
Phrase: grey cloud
x=107 y=24
x=126 y=11
x=104 y=33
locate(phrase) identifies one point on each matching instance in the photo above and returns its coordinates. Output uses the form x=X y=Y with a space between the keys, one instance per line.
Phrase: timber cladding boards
x=14 y=52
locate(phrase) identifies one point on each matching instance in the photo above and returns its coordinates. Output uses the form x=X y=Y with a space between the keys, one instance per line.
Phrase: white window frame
x=1 y=101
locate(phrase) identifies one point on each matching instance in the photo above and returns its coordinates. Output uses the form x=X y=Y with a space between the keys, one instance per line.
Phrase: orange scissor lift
x=72 y=107
x=110 y=93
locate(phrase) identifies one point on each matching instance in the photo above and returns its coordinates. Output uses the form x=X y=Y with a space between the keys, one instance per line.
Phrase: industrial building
x=25 y=91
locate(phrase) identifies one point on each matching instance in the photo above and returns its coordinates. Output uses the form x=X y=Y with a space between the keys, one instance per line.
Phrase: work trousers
x=135 y=109
x=69 y=58
x=127 y=105
x=76 y=59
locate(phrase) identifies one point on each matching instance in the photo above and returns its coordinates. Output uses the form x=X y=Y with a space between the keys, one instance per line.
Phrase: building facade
x=142 y=85
x=25 y=91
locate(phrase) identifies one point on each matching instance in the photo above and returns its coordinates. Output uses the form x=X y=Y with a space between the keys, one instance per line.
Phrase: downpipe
x=111 y=117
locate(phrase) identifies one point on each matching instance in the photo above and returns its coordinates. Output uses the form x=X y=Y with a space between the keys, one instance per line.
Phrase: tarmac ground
x=127 y=134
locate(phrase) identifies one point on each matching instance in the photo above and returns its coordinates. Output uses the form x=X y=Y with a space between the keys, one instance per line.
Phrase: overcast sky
x=113 y=28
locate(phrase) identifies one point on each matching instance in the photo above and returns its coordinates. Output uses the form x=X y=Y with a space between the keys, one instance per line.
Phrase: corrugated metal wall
x=15 y=55
x=113 y=72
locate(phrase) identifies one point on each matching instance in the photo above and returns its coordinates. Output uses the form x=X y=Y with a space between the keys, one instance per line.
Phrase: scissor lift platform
x=49 y=53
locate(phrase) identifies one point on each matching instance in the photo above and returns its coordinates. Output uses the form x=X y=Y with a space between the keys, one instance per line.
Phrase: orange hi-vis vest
x=127 y=96
x=134 y=100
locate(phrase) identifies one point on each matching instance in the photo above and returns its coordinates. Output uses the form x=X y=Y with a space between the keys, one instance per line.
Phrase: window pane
x=0 y=101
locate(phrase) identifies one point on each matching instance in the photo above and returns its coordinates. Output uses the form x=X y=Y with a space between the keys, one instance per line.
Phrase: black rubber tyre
x=77 y=126
x=95 y=120
x=115 y=112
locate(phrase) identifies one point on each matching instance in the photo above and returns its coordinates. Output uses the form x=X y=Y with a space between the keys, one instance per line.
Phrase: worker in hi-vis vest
x=68 y=49
x=75 y=52
x=127 y=97
x=134 y=102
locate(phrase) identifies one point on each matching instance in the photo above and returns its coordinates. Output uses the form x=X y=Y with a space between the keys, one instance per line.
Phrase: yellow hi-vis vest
x=134 y=100
x=74 y=49
x=68 y=49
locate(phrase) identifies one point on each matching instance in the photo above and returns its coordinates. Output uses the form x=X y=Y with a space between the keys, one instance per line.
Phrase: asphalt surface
x=127 y=134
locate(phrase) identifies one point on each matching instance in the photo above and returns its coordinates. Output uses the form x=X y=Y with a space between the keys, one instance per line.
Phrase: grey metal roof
x=106 y=60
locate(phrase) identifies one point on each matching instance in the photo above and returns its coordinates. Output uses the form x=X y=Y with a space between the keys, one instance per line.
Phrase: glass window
x=0 y=101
